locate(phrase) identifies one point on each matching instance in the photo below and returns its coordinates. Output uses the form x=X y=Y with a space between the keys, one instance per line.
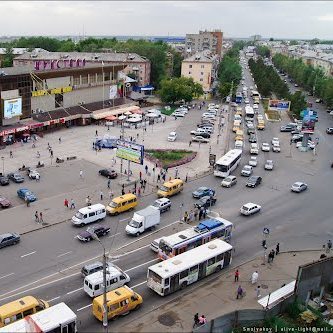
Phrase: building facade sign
x=52 y=91
x=41 y=65
x=12 y=107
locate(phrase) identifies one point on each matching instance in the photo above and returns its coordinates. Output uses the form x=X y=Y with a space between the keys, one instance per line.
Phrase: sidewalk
x=216 y=295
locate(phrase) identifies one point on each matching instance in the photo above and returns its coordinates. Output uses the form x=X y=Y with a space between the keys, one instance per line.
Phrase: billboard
x=309 y=120
x=12 y=107
x=113 y=92
x=278 y=105
x=130 y=151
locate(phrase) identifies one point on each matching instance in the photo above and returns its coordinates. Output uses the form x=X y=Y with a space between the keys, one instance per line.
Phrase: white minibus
x=89 y=214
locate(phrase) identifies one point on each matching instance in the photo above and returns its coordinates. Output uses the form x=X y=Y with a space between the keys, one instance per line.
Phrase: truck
x=145 y=219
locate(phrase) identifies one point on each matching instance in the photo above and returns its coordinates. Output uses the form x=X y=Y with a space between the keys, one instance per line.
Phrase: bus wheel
x=184 y=285
x=218 y=268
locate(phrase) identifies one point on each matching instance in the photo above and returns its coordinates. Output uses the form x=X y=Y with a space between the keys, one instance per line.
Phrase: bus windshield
x=164 y=188
x=155 y=277
x=165 y=248
x=221 y=167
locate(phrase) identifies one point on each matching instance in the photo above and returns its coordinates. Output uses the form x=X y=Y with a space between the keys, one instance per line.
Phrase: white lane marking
x=84 y=307
x=126 y=253
x=28 y=254
x=52 y=299
x=61 y=255
x=145 y=263
x=74 y=291
x=2 y=277
x=114 y=235
x=139 y=284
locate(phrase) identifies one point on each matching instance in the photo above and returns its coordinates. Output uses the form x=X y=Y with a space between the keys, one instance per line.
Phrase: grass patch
x=273 y=115
x=168 y=112
x=167 y=158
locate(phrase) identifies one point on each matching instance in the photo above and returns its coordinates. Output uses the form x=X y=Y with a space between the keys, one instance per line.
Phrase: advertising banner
x=130 y=151
x=12 y=107
x=278 y=105
x=309 y=121
x=113 y=92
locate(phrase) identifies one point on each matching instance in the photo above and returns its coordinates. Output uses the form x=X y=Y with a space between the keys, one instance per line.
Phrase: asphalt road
x=47 y=262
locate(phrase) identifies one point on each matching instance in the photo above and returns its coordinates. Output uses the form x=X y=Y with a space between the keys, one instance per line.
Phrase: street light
x=3 y=164
x=105 y=309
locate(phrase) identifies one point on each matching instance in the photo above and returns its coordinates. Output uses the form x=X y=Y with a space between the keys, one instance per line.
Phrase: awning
x=111 y=118
x=101 y=114
x=139 y=111
x=277 y=296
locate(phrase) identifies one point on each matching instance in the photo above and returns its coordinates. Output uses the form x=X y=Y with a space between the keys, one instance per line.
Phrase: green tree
x=298 y=102
x=8 y=58
x=67 y=46
x=224 y=89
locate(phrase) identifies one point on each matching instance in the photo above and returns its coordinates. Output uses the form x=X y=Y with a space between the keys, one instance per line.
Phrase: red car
x=4 y=202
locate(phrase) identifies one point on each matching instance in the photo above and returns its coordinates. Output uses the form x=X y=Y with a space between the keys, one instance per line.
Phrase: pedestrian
x=185 y=217
x=122 y=192
x=186 y=178
x=41 y=217
x=139 y=191
x=81 y=174
x=196 y=320
x=158 y=178
x=204 y=213
x=273 y=254
x=258 y=291
x=96 y=133
x=176 y=173
x=269 y=257
x=109 y=183
x=101 y=195
x=144 y=183
x=51 y=153
x=190 y=143
x=110 y=194
x=196 y=213
x=66 y=202
x=59 y=140
x=88 y=201
x=10 y=154
x=236 y=275
x=72 y=204
x=190 y=217
x=137 y=136
x=164 y=176
x=108 y=128
x=202 y=320
x=254 y=277
x=240 y=292
x=200 y=213
x=36 y=217
x=277 y=249
x=93 y=145
x=146 y=168
x=329 y=246
x=27 y=201
x=140 y=175
x=37 y=177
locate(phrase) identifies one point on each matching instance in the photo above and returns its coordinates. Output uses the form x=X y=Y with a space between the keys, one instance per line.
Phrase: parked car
x=99 y=230
x=253 y=161
x=275 y=140
x=163 y=204
x=26 y=194
x=16 y=177
x=287 y=128
x=299 y=187
x=202 y=192
x=297 y=138
x=276 y=148
x=10 y=238
x=250 y=208
x=206 y=202
x=319 y=100
x=33 y=174
x=265 y=147
x=108 y=173
x=253 y=181
x=269 y=165
x=199 y=138
x=4 y=202
x=229 y=181
x=178 y=114
x=203 y=134
x=328 y=131
x=247 y=171
x=4 y=180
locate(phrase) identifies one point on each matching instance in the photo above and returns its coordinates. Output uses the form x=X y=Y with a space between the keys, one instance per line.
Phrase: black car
x=99 y=230
x=329 y=130
x=8 y=239
x=16 y=177
x=204 y=135
x=206 y=202
x=4 y=180
x=108 y=173
x=252 y=138
x=205 y=125
x=253 y=181
x=250 y=131
x=329 y=110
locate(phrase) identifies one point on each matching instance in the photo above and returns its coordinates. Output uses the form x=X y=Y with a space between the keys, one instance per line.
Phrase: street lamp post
x=3 y=164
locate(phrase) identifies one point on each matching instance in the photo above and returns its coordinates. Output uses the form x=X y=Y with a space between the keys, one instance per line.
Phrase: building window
x=202 y=73
x=201 y=80
x=202 y=66
x=189 y=73
x=189 y=66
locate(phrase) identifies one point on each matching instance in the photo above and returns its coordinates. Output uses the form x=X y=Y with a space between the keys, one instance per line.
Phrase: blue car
x=203 y=192
x=26 y=194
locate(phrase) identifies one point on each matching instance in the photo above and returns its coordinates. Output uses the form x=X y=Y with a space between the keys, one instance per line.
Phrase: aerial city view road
x=166 y=179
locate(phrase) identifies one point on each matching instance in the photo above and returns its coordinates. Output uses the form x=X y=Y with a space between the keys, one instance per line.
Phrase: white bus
x=58 y=318
x=227 y=163
x=180 y=271
x=190 y=238
x=249 y=113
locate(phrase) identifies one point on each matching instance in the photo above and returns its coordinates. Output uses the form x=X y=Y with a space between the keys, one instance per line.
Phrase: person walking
x=258 y=291
x=101 y=194
x=146 y=168
x=254 y=277
x=88 y=201
x=176 y=173
x=10 y=154
x=140 y=175
x=37 y=177
x=158 y=178
x=196 y=320
x=109 y=183
x=66 y=202
x=41 y=217
x=110 y=194
x=59 y=140
x=236 y=275
x=329 y=246
x=72 y=206
x=122 y=191
x=240 y=292
x=277 y=249
x=185 y=217
x=139 y=191
x=190 y=143
x=96 y=133
x=273 y=255
x=202 y=320
x=36 y=217
x=81 y=174
x=27 y=201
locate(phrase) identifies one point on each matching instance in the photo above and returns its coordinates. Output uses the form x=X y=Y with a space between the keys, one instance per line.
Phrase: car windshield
x=227 y=180
x=134 y=224
x=113 y=204
x=245 y=208
x=156 y=204
x=79 y=215
x=164 y=188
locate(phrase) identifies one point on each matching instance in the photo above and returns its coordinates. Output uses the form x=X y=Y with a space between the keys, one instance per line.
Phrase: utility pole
x=105 y=305
x=122 y=138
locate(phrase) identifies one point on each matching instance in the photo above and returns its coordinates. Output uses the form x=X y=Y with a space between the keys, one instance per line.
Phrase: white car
x=198 y=130
x=250 y=208
x=184 y=110
x=265 y=147
x=276 y=148
x=178 y=114
x=255 y=106
x=247 y=171
x=208 y=115
x=254 y=149
x=275 y=141
x=247 y=101
x=299 y=187
x=172 y=136
x=253 y=161
x=269 y=165
x=33 y=174
x=249 y=124
x=331 y=113
x=260 y=117
x=229 y=181
x=199 y=138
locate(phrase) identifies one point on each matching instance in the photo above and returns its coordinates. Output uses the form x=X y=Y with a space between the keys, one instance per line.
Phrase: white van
x=172 y=136
x=254 y=149
x=239 y=144
x=115 y=278
x=155 y=244
x=89 y=214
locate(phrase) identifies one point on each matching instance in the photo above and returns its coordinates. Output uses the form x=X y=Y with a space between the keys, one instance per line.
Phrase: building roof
x=19 y=50
x=89 y=56
x=200 y=57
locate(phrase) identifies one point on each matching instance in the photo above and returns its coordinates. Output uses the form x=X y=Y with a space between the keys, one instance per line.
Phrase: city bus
x=177 y=273
x=227 y=163
x=239 y=98
x=249 y=113
x=193 y=237
x=20 y=308
x=58 y=318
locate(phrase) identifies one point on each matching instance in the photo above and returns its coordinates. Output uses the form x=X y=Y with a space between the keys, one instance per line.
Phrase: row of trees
x=156 y=52
x=270 y=85
x=311 y=79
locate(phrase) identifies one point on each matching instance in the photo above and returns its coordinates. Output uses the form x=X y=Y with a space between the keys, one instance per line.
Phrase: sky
x=277 y=19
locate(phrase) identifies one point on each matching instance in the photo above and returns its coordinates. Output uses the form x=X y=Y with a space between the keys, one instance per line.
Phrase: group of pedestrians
x=39 y=217
x=69 y=204
x=195 y=215
x=199 y=321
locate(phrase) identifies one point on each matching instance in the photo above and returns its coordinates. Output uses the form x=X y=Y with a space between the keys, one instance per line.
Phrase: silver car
x=247 y=171
x=229 y=181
